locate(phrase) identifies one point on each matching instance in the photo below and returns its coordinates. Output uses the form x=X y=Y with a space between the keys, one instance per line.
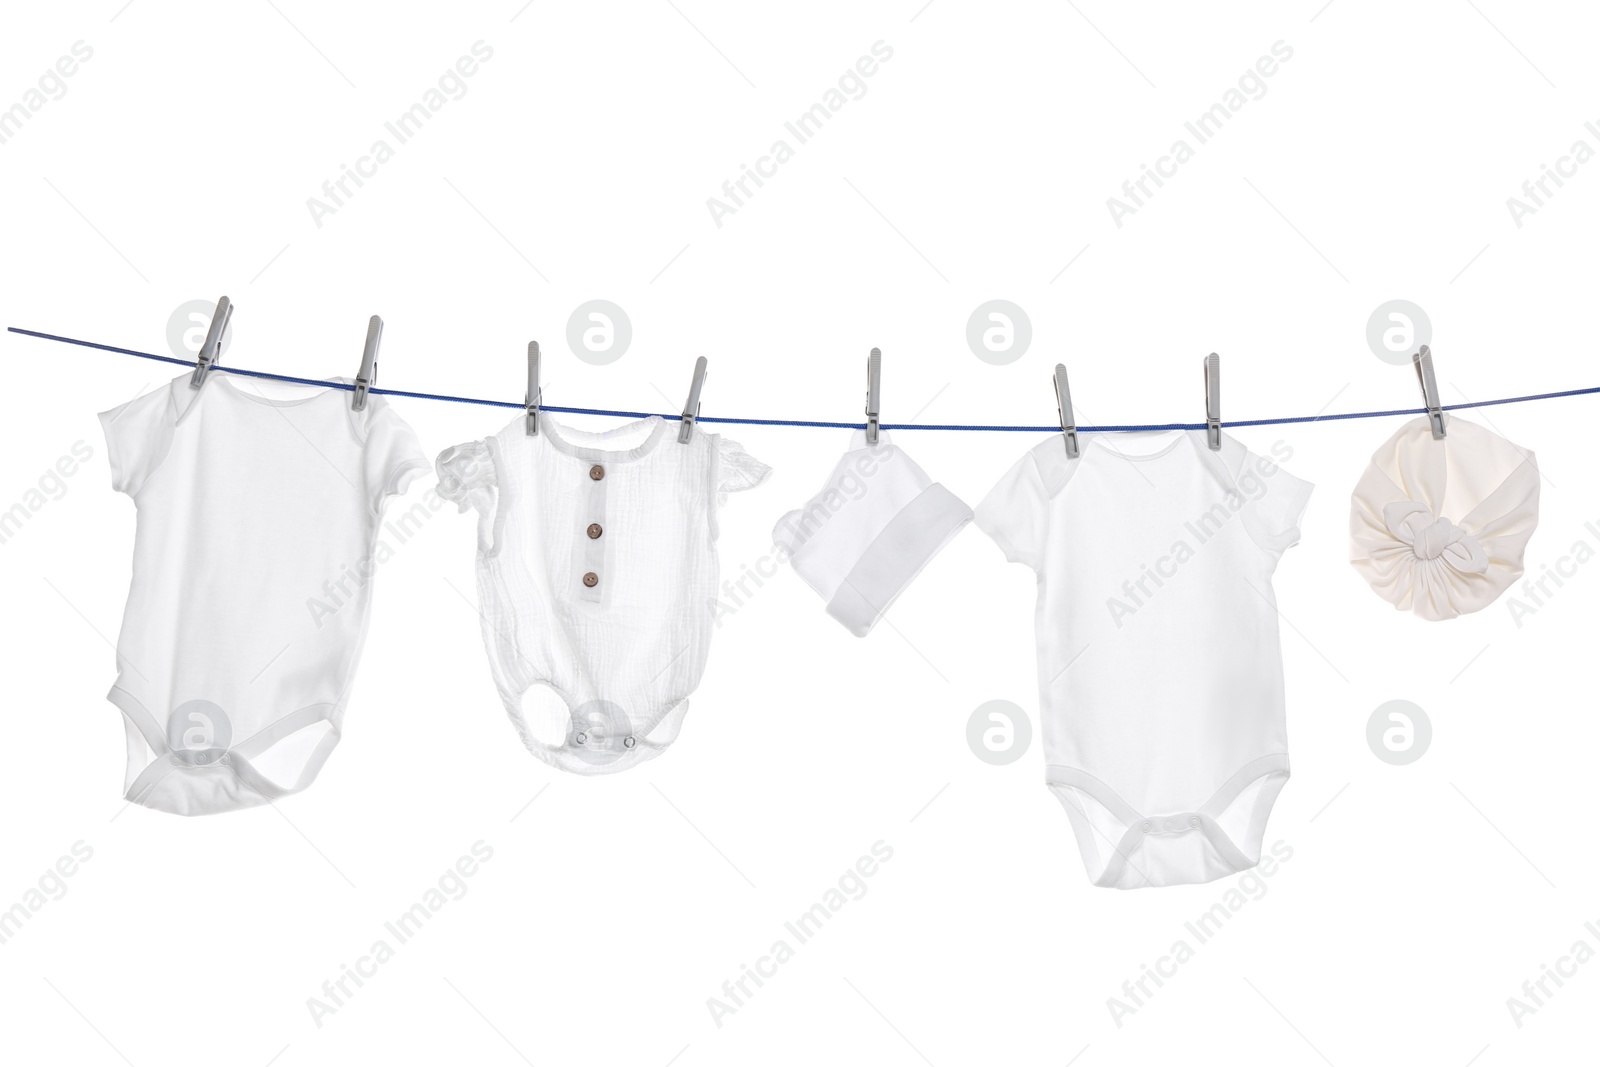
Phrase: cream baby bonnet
x=1438 y=526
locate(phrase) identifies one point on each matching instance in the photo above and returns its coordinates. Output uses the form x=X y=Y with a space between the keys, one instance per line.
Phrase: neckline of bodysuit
x=226 y=382
x=556 y=436
x=1177 y=439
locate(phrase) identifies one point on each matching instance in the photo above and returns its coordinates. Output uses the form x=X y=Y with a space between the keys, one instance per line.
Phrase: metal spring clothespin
x=368 y=375
x=1214 y=402
x=1069 y=424
x=691 y=407
x=535 y=394
x=1423 y=361
x=874 y=385
x=211 y=348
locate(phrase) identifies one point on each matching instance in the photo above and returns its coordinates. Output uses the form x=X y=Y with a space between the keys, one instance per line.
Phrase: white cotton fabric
x=611 y=664
x=256 y=543
x=1161 y=692
x=1439 y=527
x=876 y=523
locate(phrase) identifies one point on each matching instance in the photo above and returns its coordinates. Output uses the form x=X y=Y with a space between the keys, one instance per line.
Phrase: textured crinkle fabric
x=875 y=525
x=597 y=578
x=1439 y=527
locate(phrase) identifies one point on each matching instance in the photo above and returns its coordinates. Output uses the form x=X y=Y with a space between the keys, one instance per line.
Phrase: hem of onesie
x=561 y=756
x=254 y=789
x=1273 y=768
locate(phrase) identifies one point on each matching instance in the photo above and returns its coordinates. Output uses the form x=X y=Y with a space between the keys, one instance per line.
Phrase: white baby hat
x=1438 y=526
x=876 y=523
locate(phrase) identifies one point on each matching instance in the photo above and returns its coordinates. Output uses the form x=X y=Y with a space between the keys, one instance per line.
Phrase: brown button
x=594 y=530
x=591 y=579
x=597 y=472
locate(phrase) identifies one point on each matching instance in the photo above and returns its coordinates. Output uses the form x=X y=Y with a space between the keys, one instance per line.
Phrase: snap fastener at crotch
x=600 y=732
x=1170 y=824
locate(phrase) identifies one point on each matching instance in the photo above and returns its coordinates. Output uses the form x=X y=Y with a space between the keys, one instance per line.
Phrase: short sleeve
x=1278 y=500
x=1015 y=511
x=138 y=437
x=737 y=470
x=392 y=458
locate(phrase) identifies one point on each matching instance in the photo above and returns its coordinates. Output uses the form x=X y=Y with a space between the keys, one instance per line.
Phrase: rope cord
x=728 y=421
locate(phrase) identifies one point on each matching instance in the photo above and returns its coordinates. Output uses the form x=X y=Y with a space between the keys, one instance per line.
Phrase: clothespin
x=1214 y=402
x=1423 y=361
x=874 y=384
x=691 y=407
x=211 y=349
x=1069 y=423
x=535 y=395
x=368 y=375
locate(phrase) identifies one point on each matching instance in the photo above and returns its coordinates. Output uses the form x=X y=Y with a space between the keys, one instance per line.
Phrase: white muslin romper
x=257 y=530
x=597 y=578
x=1161 y=690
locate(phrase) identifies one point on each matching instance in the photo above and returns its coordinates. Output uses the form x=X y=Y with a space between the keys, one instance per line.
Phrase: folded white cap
x=1438 y=527
x=876 y=523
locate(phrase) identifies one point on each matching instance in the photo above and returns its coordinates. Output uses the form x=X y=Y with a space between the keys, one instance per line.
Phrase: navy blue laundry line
x=219 y=368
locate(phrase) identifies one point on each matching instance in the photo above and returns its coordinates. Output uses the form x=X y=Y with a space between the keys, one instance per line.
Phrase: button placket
x=592 y=576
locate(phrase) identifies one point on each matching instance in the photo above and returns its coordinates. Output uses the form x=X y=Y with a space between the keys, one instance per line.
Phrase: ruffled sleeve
x=738 y=470
x=735 y=471
x=467 y=479
x=466 y=476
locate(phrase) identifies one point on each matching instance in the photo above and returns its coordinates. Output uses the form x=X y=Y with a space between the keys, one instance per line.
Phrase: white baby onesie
x=258 y=521
x=1160 y=670
x=597 y=578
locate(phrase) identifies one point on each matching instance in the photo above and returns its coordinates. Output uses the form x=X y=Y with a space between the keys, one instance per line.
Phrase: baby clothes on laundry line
x=1161 y=693
x=597 y=578
x=253 y=559
x=878 y=521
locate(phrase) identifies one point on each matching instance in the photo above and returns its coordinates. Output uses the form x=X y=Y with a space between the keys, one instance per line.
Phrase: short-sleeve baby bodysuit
x=1160 y=670
x=256 y=542
x=597 y=578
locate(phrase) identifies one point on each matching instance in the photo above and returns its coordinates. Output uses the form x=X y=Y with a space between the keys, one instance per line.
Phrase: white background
x=177 y=166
